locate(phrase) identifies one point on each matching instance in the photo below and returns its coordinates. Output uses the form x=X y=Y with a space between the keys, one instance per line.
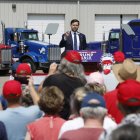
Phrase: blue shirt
x=16 y=119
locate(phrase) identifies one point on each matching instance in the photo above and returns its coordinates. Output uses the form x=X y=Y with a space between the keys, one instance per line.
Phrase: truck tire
x=46 y=70
x=33 y=65
x=4 y=72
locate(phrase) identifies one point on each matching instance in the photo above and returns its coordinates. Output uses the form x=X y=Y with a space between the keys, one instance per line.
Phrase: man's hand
x=52 y=69
x=66 y=34
x=30 y=81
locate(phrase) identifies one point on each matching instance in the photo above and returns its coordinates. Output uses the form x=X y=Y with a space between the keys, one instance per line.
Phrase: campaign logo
x=90 y=55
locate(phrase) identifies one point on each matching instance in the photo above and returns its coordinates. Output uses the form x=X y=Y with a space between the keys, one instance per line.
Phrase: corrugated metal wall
x=84 y=11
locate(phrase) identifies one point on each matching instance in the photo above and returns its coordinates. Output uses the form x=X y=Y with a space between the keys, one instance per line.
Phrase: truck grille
x=6 y=56
x=54 y=54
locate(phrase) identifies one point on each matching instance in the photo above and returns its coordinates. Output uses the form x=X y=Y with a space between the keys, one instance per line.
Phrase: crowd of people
x=69 y=105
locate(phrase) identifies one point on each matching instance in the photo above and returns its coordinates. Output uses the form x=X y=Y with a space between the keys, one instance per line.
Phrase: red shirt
x=46 y=128
x=111 y=104
x=82 y=134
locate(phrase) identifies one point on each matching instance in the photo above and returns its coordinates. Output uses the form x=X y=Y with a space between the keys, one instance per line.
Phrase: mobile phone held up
x=22 y=80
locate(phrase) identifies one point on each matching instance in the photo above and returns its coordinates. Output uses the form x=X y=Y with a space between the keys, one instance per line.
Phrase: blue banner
x=90 y=55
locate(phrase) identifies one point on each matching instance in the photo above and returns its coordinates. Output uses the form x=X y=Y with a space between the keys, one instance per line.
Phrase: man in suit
x=73 y=40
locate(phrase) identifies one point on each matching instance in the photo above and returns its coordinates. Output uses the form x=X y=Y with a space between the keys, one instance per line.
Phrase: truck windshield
x=114 y=36
x=135 y=24
x=29 y=36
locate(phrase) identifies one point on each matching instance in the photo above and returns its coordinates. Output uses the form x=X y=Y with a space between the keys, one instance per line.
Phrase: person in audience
x=13 y=70
x=52 y=70
x=128 y=96
x=76 y=120
x=119 y=57
x=101 y=89
x=122 y=71
x=93 y=112
x=51 y=103
x=22 y=73
x=3 y=103
x=3 y=133
x=126 y=132
x=69 y=76
x=12 y=75
x=16 y=116
x=95 y=81
x=95 y=77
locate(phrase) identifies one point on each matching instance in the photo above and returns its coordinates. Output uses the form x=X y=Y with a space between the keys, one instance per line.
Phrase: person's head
x=128 y=96
x=22 y=72
x=14 y=67
x=126 y=70
x=119 y=57
x=26 y=100
x=71 y=64
x=126 y=132
x=74 y=25
x=95 y=77
x=76 y=99
x=99 y=88
x=51 y=100
x=12 y=91
x=95 y=82
x=93 y=107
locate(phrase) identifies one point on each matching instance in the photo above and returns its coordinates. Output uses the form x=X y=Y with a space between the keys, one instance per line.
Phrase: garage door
x=40 y=22
x=103 y=23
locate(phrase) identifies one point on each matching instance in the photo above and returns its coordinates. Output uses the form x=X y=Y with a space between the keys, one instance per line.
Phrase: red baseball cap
x=12 y=88
x=119 y=56
x=73 y=57
x=23 y=69
x=128 y=93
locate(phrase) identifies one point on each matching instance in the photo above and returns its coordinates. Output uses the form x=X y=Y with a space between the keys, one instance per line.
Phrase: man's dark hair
x=74 y=20
x=128 y=109
x=13 y=100
x=126 y=132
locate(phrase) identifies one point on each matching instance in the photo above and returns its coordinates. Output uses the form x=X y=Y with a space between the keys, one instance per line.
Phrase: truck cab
x=26 y=47
x=126 y=39
x=130 y=37
x=113 y=42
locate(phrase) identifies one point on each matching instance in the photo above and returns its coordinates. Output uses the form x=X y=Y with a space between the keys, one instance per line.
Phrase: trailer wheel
x=33 y=65
x=4 y=72
x=46 y=70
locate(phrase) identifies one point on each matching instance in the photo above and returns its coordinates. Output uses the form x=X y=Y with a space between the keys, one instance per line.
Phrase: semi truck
x=5 y=59
x=125 y=39
x=27 y=48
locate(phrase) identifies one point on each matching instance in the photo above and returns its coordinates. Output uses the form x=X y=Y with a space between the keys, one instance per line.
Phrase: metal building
x=96 y=16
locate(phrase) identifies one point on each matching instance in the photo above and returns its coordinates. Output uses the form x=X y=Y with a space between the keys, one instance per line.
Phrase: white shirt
x=110 y=81
x=78 y=122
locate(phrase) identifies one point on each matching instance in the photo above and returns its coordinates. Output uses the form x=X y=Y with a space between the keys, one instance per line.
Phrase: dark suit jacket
x=68 y=43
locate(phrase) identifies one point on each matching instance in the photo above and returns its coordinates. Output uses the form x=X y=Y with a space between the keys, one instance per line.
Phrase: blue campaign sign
x=90 y=55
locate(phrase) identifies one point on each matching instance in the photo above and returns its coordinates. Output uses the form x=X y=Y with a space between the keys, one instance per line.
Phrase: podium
x=90 y=59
